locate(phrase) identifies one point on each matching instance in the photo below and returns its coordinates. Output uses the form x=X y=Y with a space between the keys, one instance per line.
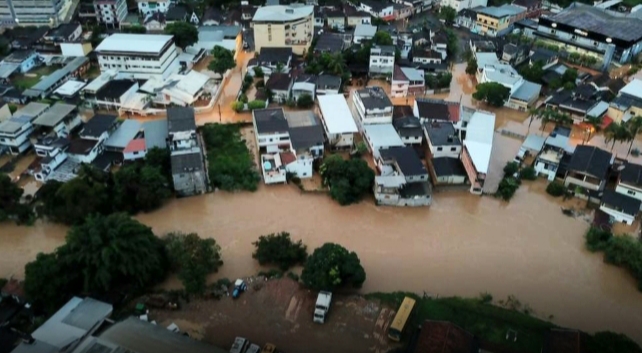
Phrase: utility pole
x=219 y=113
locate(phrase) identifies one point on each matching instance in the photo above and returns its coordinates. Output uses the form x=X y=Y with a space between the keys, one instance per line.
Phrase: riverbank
x=462 y=245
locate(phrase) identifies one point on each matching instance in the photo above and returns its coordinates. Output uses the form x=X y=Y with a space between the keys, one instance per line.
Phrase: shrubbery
x=238 y=106
x=511 y=168
x=193 y=258
x=332 y=266
x=556 y=189
x=349 y=180
x=528 y=173
x=507 y=187
x=280 y=250
x=256 y=104
x=620 y=250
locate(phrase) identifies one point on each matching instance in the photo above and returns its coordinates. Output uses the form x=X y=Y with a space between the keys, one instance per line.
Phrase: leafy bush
x=258 y=72
x=259 y=84
x=280 y=250
x=348 y=180
x=528 y=173
x=256 y=104
x=332 y=266
x=305 y=101
x=597 y=239
x=507 y=188
x=511 y=168
x=243 y=98
x=238 y=106
x=556 y=189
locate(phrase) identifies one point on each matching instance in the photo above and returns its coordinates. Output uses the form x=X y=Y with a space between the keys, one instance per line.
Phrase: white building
x=382 y=10
x=15 y=131
x=274 y=171
x=147 y=7
x=337 y=120
x=181 y=90
x=621 y=208
x=59 y=120
x=139 y=56
x=382 y=60
x=459 y=5
x=271 y=130
x=110 y=12
x=630 y=182
x=478 y=147
x=373 y=106
x=380 y=137
x=228 y=37
x=284 y=26
x=442 y=138
x=363 y=32
x=407 y=81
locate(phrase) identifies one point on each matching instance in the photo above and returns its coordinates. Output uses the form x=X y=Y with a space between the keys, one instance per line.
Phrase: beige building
x=284 y=26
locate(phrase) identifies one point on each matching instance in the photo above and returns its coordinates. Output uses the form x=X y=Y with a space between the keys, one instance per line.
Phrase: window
x=630 y=192
x=440 y=148
x=453 y=149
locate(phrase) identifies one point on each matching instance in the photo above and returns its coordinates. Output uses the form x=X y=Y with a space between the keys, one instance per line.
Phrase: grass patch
x=231 y=166
x=32 y=77
x=484 y=320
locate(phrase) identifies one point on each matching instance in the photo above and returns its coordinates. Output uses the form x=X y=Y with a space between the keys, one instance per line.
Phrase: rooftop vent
x=289 y=11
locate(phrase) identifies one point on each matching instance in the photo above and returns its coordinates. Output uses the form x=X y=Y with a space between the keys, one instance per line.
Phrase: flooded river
x=462 y=245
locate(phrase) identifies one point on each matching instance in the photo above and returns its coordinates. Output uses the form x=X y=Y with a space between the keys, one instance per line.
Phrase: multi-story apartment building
x=34 y=12
x=139 y=56
x=188 y=171
x=110 y=12
x=146 y=7
x=496 y=21
x=372 y=106
x=459 y=5
x=382 y=59
x=284 y=26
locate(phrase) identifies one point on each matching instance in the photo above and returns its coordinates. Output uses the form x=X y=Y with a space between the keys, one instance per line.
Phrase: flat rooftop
x=282 y=13
x=54 y=115
x=134 y=43
x=336 y=114
x=592 y=19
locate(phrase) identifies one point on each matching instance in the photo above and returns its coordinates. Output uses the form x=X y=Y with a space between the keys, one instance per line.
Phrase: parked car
x=268 y=348
x=239 y=287
x=254 y=348
x=239 y=345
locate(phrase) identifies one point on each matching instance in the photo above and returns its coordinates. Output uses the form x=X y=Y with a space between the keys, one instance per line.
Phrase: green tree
x=114 y=251
x=348 y=180
x=160 y=157
x=597 y=239
x=305 y=101
x=471 y=66
x=635 y=127
x=10 y=206
x=452 y=48
x=222 y=60
x=50 y=282
x=258 y=72
x=194 y=258
x=507 y=187
x=492 y=93
x=185 y=34
x=511 y=168
x=332 y=266
x=139 y=187
x=134 y=29
x=447 y=14
x=616 y=132
x=280 y=250
x=533 y=72
x=382 y=38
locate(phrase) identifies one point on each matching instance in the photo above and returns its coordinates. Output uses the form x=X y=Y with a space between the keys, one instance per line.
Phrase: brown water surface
x=462 y=245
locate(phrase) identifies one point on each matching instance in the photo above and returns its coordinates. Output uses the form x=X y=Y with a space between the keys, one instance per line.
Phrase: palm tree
x=596 y=125
x=534 y=113
x=635 y=127
x=547 y=115
x=616 y=132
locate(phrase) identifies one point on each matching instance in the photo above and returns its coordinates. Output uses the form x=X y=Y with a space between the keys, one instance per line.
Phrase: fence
x=512 y=134
x=438 y=91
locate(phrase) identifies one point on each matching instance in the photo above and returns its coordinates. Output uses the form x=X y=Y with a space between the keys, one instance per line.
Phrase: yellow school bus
x=401 y=319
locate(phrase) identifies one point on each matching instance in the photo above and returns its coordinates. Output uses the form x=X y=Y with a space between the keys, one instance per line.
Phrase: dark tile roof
x=529 y=4
x=375 y=5
x=106 y=159
x=621 y=202
x=304 y=137
x=270 y=120
x=631 y=174
x=510 y=48
x=426 y=52
x=433 y=109
x=186 y=162
x=176 y=13
x=114 y=89
x=98 y=124
x=543 y=55
x=406 y=158
x=445 y=166
x=469 y=13
x=64 y=30
x=180 y=119
x=329 y=43
x=401 y=111
x=374 y=97
x=442 y=134
x=81 y=146
x=328 y=81
x=592 y=19
x=590 y=160
x=213 y=14
x=444 y=337
x=274 y=55
x=279 y=81
x=408 y=126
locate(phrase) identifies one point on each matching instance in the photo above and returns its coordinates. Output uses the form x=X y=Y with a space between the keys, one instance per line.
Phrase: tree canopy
x=492 y=93
x=447 y=14
x=278 y=249
x=382 y=38
x=305 y=101
x=471 y=66
x=134 y=29
x=222 y=60
x=105 y=254
x=10 y=206
x=140 y=187
x=185 y=34
x=332 y=266
x=349 y=180
x=194 y=258
x=533 y=72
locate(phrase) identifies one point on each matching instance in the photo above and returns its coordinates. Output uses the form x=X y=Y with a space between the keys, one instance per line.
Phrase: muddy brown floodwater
x=461 y=245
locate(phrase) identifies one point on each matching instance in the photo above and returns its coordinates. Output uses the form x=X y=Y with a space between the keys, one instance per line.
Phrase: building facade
x=33 y=13
x=284 y=26
x=147 y=7
x=459 y=5
x=139 y=56
x=110 y=12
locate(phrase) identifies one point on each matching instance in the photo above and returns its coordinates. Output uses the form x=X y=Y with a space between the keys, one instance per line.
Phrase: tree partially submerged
x=278 y=249
x=332 y=266
x=10 y=205
x=222 y=60
x=193 y=258
x=348 y=180
x=492 y=93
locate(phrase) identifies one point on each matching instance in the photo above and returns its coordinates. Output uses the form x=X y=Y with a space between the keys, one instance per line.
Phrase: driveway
x=222 y=112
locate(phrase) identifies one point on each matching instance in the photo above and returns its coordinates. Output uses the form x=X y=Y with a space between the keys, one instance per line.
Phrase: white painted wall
x=629 y=191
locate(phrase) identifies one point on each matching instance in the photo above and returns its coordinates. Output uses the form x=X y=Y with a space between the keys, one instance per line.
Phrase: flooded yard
x=461 y=245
